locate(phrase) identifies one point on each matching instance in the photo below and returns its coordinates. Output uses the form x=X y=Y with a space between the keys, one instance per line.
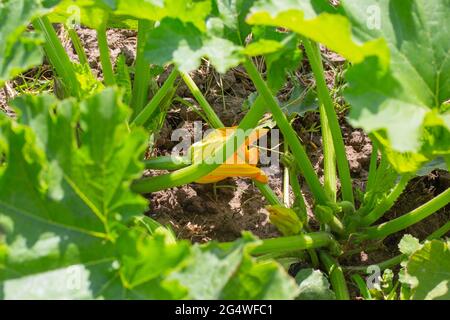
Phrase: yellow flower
x=241 y=164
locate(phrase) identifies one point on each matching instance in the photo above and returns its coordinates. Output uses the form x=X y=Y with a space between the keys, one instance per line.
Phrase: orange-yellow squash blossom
x=241 y=164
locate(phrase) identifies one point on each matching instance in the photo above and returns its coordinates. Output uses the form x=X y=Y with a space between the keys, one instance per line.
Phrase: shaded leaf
x=66 y=197
x=313 y=285
x=404 y=105
x=19 y=50
x=121 y=13
x=183 y=44
x=215 y=273
x=427 y=271
x=319 y=21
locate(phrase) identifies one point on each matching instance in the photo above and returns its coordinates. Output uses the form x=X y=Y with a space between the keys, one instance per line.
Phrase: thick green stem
x=286 y=183
x=392 y=262
x=142 y=69
x=442 y=231
x=361 y=284
x=303 y=162
x=268 y=193
x=388 y=264
x=78 y=46
x=288 y=244
x=155 y=102
x=108 y=73
x=387 y=203
x=336 y=275
x=385 y=229
x=167 y=163
x=315 y=60
x=330 y=181
x=57 y=55
x=297 y=190
x=372 y=167
x=197 y=171
x=212 y=117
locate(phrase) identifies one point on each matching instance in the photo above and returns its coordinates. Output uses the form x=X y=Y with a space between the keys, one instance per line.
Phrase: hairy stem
x=212 y=117
x=387 y=203
x=155 y=102
x=142 y=69
x=78 y=46
x=294 y=243
x=105 y=59
x=336 y=275
x=167 y=163
x=297 y=190
x=286 y=183
x=330 y=181
x=385 y=229
x=373 y=166
x=57 y=55
x=392 y=262
x=313 y=52
x=268 y=193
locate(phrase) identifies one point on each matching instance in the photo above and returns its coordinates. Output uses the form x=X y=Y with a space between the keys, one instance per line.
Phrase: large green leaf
x=70 y=227
x=405 y=106
x=228 y=20
x=58 y=199
x=19 y=50
x=427 y=271
x=121 y=13
x=215 y=273
x=313 y=285
x=319 y=21
x=174 y=41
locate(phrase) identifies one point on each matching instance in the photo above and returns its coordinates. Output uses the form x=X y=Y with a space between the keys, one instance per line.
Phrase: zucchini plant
x=71 y=174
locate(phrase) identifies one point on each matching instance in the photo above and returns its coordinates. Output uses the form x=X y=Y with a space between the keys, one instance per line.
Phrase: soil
x=206 y=212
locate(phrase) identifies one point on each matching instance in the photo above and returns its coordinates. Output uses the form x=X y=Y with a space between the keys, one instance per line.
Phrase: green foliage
x=19 y=50
x=123 y=13
x=403 y=104
x=301 y=101
x=123 y=79
x=174 y=41
x=66 y=222
x=71 y=225
x=427 y=270
x=215 y=273
x=313 y=285
x=319 y=21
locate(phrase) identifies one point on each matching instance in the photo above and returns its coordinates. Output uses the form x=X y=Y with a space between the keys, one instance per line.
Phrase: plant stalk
x=142 y=69
x=167 y=163
x=57 y=55
x=212 y=117
x=387 y=203
x=330 y=181
x=371 y=179
x=286 y=183
x=105 y=59
x=385 y=229
x=336 y=275
x=78 y=46
x=294 y=243
x=155 y=102
x=313 y=52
